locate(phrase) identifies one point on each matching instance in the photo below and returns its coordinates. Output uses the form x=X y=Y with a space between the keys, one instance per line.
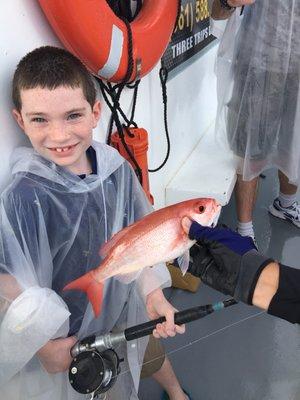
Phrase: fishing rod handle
x=180 y=318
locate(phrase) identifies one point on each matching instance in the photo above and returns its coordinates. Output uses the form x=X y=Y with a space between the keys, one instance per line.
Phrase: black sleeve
x=286 y=302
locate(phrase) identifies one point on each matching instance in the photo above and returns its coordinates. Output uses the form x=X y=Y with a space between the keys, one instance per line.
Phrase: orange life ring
x=92 y=31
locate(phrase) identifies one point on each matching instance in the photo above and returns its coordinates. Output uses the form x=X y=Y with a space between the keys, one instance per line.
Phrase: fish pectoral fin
x=184 y=261
x=106 y=247
x=128 y=277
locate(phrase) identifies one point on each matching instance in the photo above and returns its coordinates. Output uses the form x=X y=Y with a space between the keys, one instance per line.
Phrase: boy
x=69 y=195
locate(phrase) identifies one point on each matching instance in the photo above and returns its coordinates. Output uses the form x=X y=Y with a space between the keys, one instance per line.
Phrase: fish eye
x=201 y=209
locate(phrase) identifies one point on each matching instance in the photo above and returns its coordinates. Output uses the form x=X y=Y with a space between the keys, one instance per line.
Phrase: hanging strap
x=163 y=75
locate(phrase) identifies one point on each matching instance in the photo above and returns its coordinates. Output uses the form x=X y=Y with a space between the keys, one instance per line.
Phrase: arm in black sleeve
x=226 y=261
x=285 y=303
x=230 y=264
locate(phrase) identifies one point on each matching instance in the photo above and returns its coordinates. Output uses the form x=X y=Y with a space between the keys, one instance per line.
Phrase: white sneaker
x=291 y=213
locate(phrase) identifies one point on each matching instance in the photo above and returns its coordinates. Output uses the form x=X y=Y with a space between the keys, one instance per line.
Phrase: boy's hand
x=55 y=355
x=158 y=306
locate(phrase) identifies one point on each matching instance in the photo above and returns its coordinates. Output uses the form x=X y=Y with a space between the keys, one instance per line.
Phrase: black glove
x=226 y=261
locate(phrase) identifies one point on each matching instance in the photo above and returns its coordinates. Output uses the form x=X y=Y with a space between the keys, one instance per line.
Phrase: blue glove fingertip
x=225 y=236
x=197 y=231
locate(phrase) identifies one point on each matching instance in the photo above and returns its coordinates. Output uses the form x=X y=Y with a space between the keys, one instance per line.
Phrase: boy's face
x=59 y=124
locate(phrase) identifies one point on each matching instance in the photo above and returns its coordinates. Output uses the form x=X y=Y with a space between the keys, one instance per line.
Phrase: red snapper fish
x=157 y=237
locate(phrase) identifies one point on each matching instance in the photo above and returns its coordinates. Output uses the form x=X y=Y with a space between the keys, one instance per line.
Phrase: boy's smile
x=59 y=124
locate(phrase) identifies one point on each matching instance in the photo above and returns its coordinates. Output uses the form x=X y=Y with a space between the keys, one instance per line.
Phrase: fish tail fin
x=94 y=290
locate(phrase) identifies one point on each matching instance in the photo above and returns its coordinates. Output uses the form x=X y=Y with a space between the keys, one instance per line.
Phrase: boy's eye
x=74 y=116
x=38 y=120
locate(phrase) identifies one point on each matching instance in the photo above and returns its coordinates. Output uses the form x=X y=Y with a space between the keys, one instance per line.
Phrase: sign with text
x=191 y=35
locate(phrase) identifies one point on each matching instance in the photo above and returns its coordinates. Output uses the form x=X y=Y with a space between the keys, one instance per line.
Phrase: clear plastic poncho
x=258 y=68
x=52 y=224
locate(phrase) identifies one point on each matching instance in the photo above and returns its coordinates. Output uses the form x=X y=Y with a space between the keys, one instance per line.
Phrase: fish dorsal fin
x=106 y=247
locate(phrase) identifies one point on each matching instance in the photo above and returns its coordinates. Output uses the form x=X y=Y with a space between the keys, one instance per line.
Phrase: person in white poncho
x=258 y=71
x=68 y=196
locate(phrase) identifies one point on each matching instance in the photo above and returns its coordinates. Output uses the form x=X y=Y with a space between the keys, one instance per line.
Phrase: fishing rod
x=96 y=365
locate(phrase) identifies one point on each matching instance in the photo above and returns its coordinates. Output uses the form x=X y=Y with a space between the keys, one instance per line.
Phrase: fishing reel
x=96 y=365
x=94 y=369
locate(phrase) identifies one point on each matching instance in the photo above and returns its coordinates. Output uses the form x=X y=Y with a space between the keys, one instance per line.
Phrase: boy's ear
x=96 y=112
x=18 y=117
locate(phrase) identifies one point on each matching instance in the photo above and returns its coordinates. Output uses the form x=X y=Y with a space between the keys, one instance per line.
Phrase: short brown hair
x=50 y=67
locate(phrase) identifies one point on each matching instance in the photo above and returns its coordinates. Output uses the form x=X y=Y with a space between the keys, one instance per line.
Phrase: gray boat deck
x=239 y=353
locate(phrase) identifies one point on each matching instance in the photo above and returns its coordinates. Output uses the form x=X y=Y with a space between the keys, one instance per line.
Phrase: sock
x=286 y=200
x=245 y=228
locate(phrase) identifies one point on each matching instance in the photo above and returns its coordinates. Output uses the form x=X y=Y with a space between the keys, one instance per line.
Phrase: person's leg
x=166 y=377
x=245 y=196
x=157 y=365
x=285 y=206
x=286 y=187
